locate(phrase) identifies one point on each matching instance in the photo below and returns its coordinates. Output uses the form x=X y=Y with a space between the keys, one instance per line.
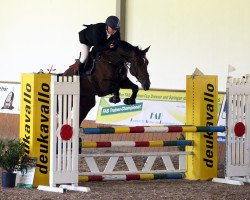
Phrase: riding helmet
x=113 y=22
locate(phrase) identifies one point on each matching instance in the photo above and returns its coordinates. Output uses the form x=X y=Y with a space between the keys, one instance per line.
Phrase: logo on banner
x=121 y=109
x=156 y=115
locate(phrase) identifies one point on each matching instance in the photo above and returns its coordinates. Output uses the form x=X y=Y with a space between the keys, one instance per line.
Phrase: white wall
x=36 y=34
x=185 y=34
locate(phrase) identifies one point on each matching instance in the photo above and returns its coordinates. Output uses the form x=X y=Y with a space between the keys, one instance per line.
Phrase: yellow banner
x=202 y=109
x=35 y=122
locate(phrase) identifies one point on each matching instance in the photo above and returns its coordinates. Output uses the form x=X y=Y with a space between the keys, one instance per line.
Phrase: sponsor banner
x=35 y=122
x=143 y=113
x=10 y=98
x=152 y=108
x=202 y=98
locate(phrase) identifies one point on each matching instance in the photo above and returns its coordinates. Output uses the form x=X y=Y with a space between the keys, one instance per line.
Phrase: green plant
x=11 y=152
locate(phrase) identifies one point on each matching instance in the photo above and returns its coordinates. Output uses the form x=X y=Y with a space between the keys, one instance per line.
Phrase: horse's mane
x=126 y=46
x=121 y=53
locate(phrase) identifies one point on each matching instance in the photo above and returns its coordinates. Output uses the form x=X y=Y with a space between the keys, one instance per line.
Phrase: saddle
x=88 y=67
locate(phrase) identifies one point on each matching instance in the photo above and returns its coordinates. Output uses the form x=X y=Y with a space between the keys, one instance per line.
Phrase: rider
x=100 y=36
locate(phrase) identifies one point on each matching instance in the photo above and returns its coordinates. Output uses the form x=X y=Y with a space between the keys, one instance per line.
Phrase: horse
x=110 y=75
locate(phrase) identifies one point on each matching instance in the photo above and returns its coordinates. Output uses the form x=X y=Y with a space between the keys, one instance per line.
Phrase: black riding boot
x=90 y=69
x=82 y=69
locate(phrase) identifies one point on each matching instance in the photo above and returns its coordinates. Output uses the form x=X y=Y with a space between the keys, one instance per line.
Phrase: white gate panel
x=238 y=92
x=65 y=99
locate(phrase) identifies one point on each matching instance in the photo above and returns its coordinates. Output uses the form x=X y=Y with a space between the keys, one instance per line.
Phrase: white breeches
x=84 y=51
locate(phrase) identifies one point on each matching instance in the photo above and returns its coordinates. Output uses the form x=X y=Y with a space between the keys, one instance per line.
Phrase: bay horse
x=110 y=75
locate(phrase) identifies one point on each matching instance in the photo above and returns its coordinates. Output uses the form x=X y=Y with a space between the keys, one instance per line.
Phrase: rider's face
x=111 y=31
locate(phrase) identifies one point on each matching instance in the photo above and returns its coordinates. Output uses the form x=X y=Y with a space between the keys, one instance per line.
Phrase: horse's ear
x=146 y=50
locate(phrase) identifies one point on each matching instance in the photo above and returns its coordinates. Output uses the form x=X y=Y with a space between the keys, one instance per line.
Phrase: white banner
x=143 y=113
x=153 y=108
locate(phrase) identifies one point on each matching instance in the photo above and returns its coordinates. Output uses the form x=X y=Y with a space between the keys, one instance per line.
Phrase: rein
x=116 y=62
x=121 y=66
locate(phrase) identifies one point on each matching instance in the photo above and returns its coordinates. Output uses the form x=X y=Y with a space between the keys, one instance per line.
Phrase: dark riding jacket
x=96 y=35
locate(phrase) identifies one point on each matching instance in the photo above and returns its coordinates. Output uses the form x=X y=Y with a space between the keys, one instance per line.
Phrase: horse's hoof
x=129 y=101
x=114 y=99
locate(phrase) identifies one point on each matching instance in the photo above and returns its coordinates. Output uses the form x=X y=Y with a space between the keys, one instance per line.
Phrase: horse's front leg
x=115 y=91
x=115 y=98
x=128 y=84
